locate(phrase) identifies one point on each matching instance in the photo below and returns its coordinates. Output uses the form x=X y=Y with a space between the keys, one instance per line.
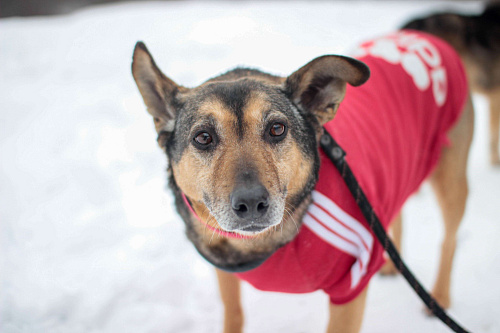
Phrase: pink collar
x=218 y=231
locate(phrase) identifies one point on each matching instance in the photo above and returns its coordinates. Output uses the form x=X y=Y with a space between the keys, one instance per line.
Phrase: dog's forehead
x=240 y=101
x=232 y=97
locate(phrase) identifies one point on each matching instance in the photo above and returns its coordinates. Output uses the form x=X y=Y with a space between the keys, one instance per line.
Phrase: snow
x=89 y=239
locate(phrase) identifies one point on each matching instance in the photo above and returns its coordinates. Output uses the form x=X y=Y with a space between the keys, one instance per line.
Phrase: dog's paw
x=388 y=269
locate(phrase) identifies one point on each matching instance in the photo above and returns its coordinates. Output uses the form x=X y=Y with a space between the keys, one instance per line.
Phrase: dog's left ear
x=319 y=86
x=158 y=91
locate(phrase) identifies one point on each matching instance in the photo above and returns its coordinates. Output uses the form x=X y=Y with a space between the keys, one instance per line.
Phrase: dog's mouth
x=253 y=229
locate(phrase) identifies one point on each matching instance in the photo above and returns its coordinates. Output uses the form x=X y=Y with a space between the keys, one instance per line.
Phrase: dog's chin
x=237 y=267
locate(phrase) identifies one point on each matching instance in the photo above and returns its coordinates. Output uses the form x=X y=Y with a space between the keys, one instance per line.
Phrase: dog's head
x=242 y=147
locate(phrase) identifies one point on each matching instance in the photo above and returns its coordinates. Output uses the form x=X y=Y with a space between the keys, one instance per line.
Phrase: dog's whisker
x=211 y=238
x=209 y=220
x=290 y=214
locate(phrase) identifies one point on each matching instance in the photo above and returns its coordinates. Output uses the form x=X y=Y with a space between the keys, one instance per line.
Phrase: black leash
x=337 y=155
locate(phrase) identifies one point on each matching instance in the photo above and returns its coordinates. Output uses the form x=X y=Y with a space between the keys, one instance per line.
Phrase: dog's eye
x=203 y=138
x=277 y=129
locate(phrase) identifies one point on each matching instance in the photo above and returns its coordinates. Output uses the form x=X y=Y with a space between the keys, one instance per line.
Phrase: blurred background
x=56 y=7
x=89 y=239
x=45 y=7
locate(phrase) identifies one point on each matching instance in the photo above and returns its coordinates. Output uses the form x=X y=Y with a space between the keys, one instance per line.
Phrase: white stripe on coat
x=332 y=224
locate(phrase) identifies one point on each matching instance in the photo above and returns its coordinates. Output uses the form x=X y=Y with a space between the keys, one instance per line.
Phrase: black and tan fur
x=251 y=135
x=477 y=39
x=237 y=109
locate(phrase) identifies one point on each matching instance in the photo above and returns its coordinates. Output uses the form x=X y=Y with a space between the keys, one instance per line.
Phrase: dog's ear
x=319 y=86
x=157 y=90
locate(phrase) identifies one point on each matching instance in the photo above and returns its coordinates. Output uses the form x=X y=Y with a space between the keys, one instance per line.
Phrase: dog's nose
x=250 y=202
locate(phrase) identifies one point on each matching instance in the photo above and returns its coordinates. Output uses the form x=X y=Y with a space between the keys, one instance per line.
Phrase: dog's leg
x=396 y=235
x=449 y=182
x=494 y=99
x=229 y=287
x=347 y=318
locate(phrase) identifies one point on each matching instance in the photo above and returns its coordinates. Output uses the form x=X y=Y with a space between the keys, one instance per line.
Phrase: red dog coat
x=393 y=129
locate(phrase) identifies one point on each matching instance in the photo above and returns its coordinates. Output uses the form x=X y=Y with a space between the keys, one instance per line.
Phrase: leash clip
x=328 y=144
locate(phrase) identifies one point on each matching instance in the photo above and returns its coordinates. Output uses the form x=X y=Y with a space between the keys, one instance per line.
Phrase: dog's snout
x=250 y=202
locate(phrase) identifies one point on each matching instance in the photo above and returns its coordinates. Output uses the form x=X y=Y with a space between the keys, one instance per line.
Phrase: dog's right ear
x=157 y=90
x=319 y=86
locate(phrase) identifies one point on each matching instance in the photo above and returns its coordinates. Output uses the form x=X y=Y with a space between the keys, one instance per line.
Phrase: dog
x=477 y=39
x=260 y=200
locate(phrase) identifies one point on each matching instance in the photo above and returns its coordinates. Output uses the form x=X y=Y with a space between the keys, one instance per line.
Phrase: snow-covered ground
x=89 y=239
